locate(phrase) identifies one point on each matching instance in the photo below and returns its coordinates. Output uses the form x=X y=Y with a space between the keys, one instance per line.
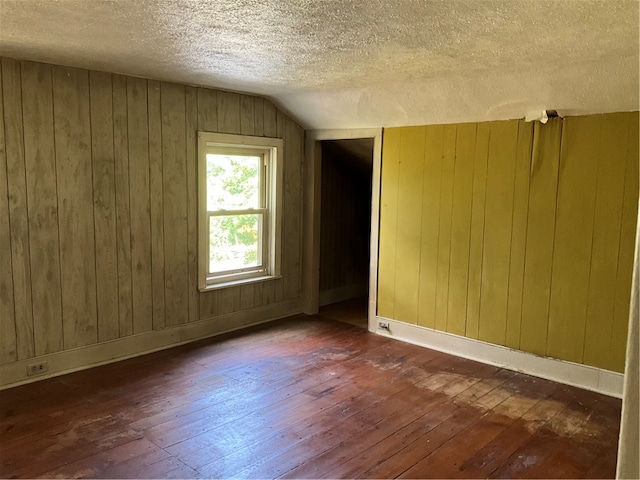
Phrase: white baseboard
x=340 y=294
x=14 y=374
x=583 y=376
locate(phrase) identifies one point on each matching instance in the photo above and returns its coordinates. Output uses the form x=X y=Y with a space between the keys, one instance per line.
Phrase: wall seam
x=26 y=202
x=473 y=178
x=484 y=222
x=624 y=190
x=453 y=193
x=533 y=144
x=93 y=197
x=593 y=225
x=513 y=214
x=553 y=242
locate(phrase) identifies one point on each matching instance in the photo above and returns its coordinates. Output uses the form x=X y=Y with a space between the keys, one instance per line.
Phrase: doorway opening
x=345 y=227
x=313 y=207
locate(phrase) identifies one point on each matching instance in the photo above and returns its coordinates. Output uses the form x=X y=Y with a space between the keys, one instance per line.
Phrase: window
x=239 y=208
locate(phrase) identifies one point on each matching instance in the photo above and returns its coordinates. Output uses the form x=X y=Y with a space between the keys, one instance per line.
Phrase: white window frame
x=271 y=150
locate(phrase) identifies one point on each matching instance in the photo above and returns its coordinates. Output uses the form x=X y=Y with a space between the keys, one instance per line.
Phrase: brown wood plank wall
x=345 y=220
x=17 y=202
x=98 y=205
x=40 y=155
x=104 y=203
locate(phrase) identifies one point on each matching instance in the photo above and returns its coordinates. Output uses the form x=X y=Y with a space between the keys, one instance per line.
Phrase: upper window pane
x=233 y=182
x=239 y=209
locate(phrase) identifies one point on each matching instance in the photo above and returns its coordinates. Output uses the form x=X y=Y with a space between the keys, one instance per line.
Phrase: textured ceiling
x=354 y=63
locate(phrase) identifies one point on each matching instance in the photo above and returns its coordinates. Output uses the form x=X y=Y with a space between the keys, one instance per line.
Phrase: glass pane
x=235 y=242
x=233 y=182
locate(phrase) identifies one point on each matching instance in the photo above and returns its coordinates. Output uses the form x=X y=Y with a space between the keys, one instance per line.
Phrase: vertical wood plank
x=228 y=122
x=207 y=110
x=388 y=221
x=42 y=199
x=258 y=117
x=606 y=238
x=541 y=221
x=175 y=203
x=270 y=119
x=208 y=304
x=75 y=203
x=461 y=228
x=497 y=235
x=409 y=203
x=432 y=175
x=138 y=135
x=191 y=125
x=444 y=228
x=247 y=115
x=268 y=294
x=228 y=300
x=156 y=204
x=104 y=204
x=616 y=361
x=247 y=294
x=573 y=237
x=123 y=206
x=476 y=241
x=518 y=233
x=18 y=216
x=292 y=213
x=228 y=112
x=8 y=350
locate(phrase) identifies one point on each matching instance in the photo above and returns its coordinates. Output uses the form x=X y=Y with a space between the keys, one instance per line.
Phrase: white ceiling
x=354 y=63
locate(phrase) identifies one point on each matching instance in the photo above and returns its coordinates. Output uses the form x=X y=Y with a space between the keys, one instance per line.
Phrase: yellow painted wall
x=513 y=233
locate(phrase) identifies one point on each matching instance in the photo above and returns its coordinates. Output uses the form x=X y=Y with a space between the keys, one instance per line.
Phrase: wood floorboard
x=447 y=456
x=337 y=399
x=437 y=428
x=305 y=397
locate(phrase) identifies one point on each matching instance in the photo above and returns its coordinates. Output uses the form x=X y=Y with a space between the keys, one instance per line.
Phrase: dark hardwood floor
x=306 y=397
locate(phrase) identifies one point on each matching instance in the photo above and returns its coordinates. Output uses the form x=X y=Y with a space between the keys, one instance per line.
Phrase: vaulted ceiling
x=354 y=63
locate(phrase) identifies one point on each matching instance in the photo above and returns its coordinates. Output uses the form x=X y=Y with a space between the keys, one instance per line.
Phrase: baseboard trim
x=583 y=376
x=60 y=363
x=341 y=294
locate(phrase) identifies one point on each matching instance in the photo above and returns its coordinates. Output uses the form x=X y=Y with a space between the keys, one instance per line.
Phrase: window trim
x=273 y=151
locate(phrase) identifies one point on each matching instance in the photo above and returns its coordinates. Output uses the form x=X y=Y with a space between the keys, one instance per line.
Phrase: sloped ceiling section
x=354 y=63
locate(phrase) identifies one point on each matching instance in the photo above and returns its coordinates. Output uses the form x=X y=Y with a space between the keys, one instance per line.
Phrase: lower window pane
x=235 y=242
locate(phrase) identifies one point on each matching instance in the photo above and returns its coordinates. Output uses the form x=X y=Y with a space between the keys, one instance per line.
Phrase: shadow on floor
x=352 y=311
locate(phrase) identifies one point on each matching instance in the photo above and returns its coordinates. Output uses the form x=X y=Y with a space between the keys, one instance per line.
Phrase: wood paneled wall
x=98 y=233
x=345 y=220
x=514 y=234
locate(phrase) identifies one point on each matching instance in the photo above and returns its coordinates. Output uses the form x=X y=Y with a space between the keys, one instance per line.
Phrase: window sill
x=235 y=283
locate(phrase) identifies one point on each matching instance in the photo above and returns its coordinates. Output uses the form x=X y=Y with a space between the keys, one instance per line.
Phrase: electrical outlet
x=384 y=326
x=37 y=368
